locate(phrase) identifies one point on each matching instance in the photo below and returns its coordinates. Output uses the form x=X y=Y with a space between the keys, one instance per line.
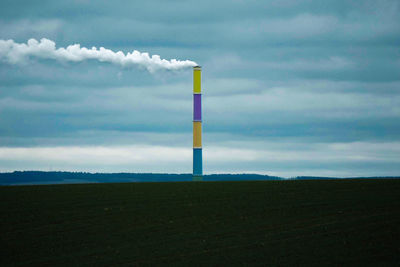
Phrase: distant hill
x=335 y=178
x=61 y=177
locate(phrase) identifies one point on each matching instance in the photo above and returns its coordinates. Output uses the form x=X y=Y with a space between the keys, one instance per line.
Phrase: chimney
x=197 y=147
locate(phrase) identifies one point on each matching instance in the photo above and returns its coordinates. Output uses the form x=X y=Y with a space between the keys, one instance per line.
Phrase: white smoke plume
x=15 y=53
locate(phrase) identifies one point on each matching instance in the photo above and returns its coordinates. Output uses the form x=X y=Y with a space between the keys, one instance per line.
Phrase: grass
x=349 y=222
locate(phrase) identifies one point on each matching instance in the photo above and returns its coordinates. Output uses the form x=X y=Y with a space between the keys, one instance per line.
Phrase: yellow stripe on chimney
x=197 y=134
x=197 y=80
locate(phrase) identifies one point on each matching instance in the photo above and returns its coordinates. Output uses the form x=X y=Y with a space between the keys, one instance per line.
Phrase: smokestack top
x=197 y=67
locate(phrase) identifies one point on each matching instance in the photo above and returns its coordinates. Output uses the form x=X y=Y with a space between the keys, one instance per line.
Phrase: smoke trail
x=14 y=53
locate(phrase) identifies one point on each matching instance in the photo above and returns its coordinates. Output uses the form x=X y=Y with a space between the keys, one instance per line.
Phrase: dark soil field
x=334 y=222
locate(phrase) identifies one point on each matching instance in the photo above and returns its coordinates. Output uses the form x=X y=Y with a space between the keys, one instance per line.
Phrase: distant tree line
x=54 y=177
x=32 y=177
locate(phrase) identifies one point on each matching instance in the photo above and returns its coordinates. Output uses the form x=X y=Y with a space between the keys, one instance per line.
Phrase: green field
x=338 y=222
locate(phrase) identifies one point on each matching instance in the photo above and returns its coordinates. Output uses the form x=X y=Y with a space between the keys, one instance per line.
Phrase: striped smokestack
x=197 y=147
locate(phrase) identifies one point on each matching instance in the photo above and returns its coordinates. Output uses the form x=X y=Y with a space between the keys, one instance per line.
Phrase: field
x=349 y=222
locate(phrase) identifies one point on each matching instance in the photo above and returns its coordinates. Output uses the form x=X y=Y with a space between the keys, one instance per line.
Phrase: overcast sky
x=289 y=87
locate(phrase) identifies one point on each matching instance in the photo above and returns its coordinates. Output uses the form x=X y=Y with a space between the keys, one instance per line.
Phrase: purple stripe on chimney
x=197 y=107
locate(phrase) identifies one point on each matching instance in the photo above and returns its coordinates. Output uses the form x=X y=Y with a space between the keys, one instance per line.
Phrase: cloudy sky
x=290 y=87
